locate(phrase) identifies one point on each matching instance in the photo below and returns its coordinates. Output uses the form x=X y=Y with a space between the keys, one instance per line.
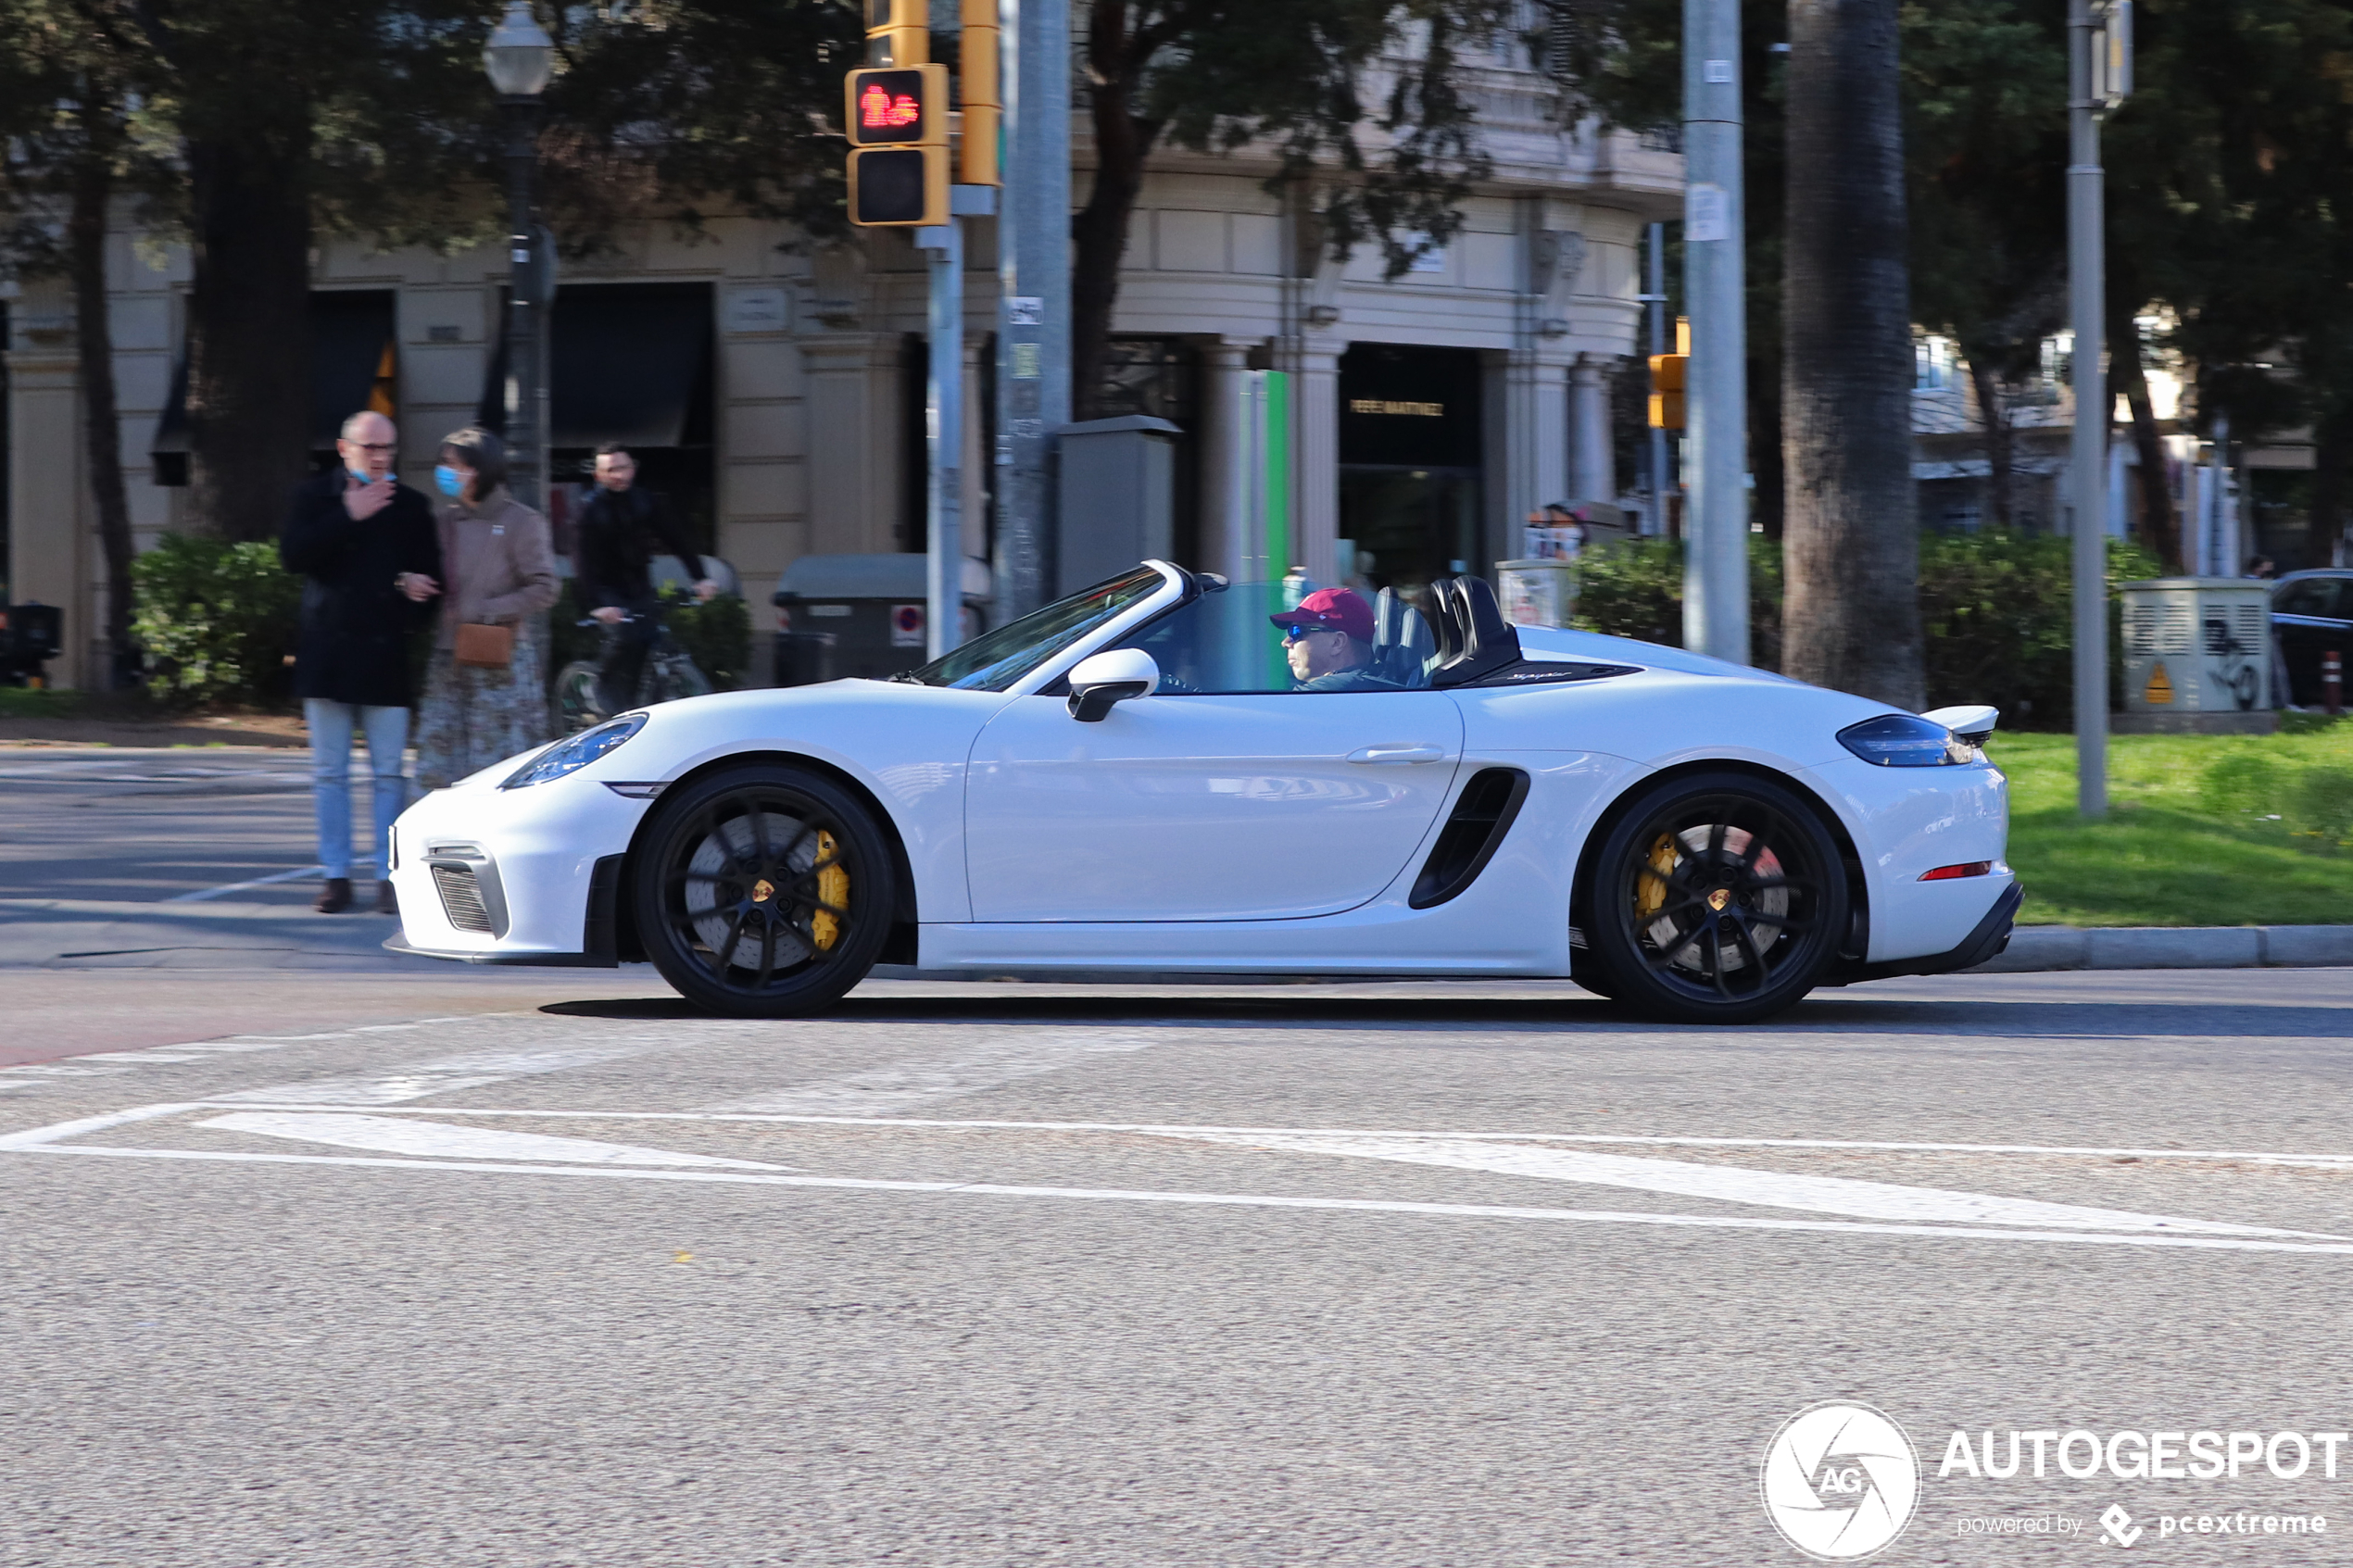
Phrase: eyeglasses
x=374 y=446
x=1293 y=633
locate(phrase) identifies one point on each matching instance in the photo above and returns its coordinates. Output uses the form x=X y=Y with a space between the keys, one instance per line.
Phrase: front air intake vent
x=461 y=898
x=1482 y=815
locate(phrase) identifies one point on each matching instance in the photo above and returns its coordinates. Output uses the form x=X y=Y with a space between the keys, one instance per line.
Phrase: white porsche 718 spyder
x=1134 y=779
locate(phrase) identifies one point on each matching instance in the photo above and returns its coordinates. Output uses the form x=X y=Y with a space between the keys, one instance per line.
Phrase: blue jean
x=387 y=730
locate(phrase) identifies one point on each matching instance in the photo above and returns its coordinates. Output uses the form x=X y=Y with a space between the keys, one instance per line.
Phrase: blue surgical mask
x=450 y=481
x=359 y=477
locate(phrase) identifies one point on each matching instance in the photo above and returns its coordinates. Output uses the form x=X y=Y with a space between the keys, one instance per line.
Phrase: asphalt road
x=145 y=826
x=1469 y=1274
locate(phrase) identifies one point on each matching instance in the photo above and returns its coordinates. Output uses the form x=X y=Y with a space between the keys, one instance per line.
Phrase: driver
x=1328 y=640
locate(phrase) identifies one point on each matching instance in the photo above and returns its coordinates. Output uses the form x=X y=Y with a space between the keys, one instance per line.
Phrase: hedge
x=1995 y=610
x=215 y=620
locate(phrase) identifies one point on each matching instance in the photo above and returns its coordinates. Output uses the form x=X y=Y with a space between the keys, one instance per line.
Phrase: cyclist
x=621 y=530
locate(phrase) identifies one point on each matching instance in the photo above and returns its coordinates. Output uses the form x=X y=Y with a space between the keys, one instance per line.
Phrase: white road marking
x=441 y=1140
x=43 y=1143
x=1174 y=1129
x=300 y=873
x=415 y=1080
x=883 y=1089
x=1734 y=1183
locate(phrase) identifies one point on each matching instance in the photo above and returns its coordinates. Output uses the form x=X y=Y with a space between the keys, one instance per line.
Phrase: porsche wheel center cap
x=763 y=890
x=1719 y=899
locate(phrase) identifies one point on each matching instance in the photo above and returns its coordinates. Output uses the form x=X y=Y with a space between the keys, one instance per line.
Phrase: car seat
x=1403 y=647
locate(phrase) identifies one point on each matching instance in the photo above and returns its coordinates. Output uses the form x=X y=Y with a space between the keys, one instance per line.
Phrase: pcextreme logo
x=1840 y=1480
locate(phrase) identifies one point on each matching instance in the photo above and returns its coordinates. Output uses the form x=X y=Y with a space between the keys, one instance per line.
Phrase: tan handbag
x=485 y=648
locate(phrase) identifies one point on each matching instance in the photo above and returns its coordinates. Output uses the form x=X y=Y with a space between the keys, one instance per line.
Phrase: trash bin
x=869 y=609
x=1537 y=593
x=31 y=635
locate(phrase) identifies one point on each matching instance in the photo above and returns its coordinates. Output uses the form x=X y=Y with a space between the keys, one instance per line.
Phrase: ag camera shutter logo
x=1840 y=1480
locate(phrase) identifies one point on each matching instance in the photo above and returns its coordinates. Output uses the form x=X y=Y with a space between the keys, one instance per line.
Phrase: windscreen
x=995 y=661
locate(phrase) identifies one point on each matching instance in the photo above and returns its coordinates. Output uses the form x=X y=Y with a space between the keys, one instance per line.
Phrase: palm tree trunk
x=1993 y=413
x=1851 y=516
x=1100 y=230
x=249 y=318
x=94 y=348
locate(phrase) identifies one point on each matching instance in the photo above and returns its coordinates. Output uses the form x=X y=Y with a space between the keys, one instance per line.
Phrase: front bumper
x=529 y=876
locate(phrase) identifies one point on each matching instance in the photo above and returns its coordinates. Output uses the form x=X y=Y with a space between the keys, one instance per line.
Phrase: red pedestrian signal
x=902 y=106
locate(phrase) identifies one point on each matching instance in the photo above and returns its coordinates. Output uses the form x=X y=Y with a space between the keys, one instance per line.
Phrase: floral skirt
x=471 y=717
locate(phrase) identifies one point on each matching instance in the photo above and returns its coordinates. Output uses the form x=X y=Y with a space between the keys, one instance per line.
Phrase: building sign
x=1392 y=406
x=757 y=310
x=1403 y=405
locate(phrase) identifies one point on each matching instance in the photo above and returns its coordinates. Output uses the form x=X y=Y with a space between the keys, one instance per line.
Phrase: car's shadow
x=1571 y=1012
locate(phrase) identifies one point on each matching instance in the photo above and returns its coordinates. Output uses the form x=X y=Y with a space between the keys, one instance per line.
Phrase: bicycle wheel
x=577 y=703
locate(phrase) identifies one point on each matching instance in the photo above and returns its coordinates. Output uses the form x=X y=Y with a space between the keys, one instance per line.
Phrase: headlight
x=1905 y=740
x=571 y=756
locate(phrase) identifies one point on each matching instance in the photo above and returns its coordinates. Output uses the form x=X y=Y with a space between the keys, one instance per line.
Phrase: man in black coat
x=371 y=558
x=620 y=531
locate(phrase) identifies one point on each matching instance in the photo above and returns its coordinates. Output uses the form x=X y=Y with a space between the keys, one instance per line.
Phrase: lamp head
x=519 y=56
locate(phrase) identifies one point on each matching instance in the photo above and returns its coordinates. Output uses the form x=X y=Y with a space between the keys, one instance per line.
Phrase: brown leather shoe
x=335 y=897
x=385 y=903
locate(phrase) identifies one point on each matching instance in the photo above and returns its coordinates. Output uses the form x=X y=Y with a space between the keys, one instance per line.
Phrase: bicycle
x=668 y=674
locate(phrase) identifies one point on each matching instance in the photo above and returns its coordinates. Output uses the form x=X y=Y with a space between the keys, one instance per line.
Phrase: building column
x=1536 y=422
x=1314 y=364
x=1593 y=460
x=854 y=440
x=1224 y=488
x=52 y=554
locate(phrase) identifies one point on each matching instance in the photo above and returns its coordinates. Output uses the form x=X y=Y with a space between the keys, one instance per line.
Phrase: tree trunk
x=2332 y=450
x=1851 y=615
x=2160 y=529
x=1993 y=413
x=1100 y=230
x=249 y=318
x=93 y=347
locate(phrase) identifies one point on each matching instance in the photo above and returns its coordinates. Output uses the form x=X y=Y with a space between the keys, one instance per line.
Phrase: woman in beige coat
x=485 y=695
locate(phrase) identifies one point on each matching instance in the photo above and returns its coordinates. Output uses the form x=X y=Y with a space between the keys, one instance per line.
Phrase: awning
x=626 y=362
x=354 y=367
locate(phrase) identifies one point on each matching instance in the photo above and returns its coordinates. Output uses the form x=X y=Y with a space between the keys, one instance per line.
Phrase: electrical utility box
x=1117 y=496
x=2197 y=656
x=862 y=617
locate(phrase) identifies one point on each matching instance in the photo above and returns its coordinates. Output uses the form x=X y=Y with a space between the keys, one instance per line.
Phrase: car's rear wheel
x=1716 y=898
x=764 y=892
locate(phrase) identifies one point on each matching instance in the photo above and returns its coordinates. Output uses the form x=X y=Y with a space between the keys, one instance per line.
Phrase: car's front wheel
x=1715 y=898
x=764 y=892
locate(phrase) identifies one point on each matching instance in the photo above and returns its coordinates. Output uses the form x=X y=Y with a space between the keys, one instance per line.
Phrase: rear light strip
x=1970 y=867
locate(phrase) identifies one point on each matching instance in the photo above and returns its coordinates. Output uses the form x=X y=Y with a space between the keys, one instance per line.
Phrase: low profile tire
x=764 y=892
x=1716 y=898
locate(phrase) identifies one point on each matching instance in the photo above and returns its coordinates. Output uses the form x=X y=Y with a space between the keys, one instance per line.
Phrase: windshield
x=995 y=661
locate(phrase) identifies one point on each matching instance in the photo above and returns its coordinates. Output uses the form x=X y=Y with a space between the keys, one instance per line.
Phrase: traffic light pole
x=2088 y=479
x=944 y=422
x=1716 y=517
x=1033 y=323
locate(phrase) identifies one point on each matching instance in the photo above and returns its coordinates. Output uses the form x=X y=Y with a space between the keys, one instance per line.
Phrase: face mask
x=450 y=482
x=361 y=478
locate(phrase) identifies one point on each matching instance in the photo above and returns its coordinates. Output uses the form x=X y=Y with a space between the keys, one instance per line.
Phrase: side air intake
x=1482 y=815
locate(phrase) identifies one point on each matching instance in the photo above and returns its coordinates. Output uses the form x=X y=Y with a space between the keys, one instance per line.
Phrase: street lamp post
x=520 y=58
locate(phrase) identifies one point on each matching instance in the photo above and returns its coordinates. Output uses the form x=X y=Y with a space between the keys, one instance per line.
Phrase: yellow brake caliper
x=833 y=887
x=1649 y=892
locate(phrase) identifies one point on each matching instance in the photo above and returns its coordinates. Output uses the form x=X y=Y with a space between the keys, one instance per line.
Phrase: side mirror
x=1113 y=676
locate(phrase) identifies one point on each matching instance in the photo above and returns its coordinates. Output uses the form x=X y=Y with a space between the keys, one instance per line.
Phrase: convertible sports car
x=1150 y=776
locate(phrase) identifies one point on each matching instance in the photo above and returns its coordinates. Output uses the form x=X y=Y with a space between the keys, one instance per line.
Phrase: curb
x=2038 y=948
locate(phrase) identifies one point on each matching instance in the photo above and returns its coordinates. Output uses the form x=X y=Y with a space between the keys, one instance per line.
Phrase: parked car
x=1132 y=779
x=2311 y=615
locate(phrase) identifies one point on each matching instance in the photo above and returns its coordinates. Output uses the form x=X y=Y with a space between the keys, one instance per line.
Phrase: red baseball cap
x=1331 y=609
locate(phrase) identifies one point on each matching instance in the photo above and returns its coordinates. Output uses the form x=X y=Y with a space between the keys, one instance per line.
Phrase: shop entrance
x=1410 y=465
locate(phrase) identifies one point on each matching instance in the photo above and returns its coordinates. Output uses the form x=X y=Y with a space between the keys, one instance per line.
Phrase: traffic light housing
x=899 y=187
x=984 y=99
x=1670 y=375
x=898 y=121
x=899 y=32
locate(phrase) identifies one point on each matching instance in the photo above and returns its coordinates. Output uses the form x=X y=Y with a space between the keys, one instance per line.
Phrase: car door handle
x=1398 y=754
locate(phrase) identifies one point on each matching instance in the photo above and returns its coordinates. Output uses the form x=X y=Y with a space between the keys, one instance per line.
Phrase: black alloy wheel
x=764 y=892
x=1715 y=898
